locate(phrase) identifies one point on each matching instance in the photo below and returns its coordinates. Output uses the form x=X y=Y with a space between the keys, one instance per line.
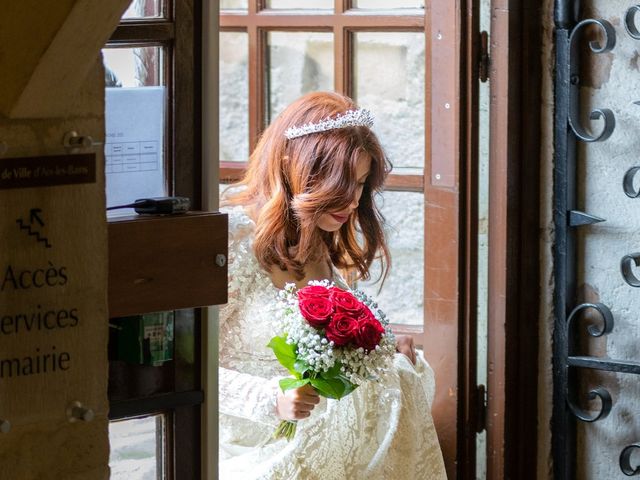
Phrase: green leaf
x=301 y=367
x=330 y=388
x=348 y=386
x=285 y=353
x=290 y=383
x=333 y=372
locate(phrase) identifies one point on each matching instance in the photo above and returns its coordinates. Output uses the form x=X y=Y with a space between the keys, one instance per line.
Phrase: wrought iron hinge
x=481 y=408
x=483 y=57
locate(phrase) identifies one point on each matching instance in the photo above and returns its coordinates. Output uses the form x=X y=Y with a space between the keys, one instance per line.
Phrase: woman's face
x=331 y=222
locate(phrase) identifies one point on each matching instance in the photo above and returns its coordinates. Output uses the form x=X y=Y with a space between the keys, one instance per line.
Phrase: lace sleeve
x=247 y=396
x=245 y=390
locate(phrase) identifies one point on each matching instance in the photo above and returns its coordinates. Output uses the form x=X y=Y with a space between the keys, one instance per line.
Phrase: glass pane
x=144 y=9
x=388 y=4
x=297 y=4
x=483 y=241
x=137 y=448
x=402 y=295
x=299 y=62
x=146 y=351
x=397 y=97
x=234 y=96
x=234 y=5
x=136 y=107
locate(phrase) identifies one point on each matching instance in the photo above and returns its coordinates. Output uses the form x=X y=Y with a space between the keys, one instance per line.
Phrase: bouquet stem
x=286 y=429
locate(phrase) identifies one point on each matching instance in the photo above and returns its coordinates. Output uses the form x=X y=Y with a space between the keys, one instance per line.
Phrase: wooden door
x=451 y=213
x=442 y=178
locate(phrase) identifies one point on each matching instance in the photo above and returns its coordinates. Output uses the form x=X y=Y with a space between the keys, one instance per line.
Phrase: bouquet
x=331 y=338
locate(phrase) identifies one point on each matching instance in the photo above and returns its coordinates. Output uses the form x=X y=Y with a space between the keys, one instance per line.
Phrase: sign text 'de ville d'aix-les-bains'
x=47 y=171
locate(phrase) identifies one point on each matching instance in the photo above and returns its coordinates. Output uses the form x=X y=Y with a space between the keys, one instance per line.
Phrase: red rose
x=316 y=310
x=365 y=314
x=345 y=301
x=342 y=329
x=369 y=333
x=313 y=291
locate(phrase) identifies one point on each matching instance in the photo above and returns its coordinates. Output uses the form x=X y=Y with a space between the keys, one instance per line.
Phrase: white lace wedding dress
x=380 y=431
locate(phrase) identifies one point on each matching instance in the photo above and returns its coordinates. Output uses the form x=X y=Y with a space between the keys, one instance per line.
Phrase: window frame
x=514 y=436
x=179 y=32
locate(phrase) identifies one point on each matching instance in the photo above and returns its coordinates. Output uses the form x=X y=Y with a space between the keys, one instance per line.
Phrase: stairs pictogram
x=34 y=218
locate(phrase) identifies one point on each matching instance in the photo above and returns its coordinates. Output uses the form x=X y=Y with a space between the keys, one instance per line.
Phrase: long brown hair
x=291 y=183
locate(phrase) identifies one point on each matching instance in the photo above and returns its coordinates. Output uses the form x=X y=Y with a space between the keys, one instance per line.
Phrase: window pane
x=234 y=96
x=234 y=4
x=134 y=67
x=397 y=97
x=138 y=448
x=135 y=118
x=299 y=62
x=388 y=4
x=297 y=4
x=402 y=297
x=144 y=9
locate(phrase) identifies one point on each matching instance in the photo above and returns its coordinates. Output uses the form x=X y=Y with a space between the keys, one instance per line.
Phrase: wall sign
x=52 y=269
x=47 y=171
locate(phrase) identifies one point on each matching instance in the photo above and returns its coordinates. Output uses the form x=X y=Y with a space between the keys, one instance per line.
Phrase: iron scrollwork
x=605 y=406
x=605 y=114
x=625 y=460
x=630 y=22
x=627 y=183
x=602 y=393
x=604 y=313
x=570 y=127
x=627 y=272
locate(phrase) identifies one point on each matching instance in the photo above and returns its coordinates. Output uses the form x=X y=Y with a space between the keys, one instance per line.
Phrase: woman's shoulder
x=241 y=226
x=238 y=216
x=239 y=219
x=245 y=273
x=242 y=263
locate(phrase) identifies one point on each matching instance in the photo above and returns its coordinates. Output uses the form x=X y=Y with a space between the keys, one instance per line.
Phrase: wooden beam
x=58 y=58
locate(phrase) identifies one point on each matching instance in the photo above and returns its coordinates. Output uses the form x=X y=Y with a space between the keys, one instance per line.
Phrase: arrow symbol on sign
x=33 y=215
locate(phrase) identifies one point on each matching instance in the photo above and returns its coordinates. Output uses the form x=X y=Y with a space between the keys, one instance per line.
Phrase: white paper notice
x=134 y=146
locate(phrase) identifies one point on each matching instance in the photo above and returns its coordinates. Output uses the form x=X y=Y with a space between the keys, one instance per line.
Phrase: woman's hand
x=297 y=403
x=405 y=345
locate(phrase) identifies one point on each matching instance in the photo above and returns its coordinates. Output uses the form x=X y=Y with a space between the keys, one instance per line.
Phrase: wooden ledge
x=167 y=262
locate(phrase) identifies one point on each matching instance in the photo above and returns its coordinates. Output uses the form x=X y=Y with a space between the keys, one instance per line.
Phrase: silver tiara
x=351 y=118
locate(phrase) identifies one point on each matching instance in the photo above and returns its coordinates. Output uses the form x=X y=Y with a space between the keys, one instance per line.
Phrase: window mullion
x=340 y=59
x=133 y=32
x=257 y=87
x=405 y=183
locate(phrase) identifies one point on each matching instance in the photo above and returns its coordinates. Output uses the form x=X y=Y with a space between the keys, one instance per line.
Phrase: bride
x=304 y=210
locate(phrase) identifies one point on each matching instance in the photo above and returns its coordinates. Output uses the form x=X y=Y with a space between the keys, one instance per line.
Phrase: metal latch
x=481 y=408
